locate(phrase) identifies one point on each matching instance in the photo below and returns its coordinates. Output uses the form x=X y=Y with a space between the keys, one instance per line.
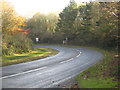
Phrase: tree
x=42 y=26
x=66 y=20
x=8 y=17
x=97 y=24
x=13 y=31
x=107 y=24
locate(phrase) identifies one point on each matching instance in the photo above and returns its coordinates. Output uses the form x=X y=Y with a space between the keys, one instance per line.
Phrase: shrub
x=18 y=43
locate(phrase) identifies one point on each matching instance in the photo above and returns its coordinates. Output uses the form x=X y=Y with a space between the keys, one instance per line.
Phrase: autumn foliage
x=13 y=31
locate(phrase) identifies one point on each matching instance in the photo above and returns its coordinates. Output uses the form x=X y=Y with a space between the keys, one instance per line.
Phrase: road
x=51 y=71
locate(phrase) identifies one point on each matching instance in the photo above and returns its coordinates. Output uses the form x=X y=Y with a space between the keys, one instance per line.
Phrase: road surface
x=51 y=71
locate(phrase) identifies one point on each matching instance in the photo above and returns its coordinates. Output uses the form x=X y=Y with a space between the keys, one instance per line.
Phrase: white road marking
x=23 y=73
x=67 y=60
x=79 y=53
x=72 y=58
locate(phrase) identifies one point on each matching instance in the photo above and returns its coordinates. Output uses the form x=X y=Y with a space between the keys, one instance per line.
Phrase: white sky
x=28 y=8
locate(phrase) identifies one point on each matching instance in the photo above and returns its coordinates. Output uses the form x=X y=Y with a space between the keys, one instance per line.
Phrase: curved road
x=50 y=71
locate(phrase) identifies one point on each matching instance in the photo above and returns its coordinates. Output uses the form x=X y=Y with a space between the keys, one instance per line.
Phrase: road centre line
x=72 y=58
x=79 y=53
x=67 y=60
x=23 y=73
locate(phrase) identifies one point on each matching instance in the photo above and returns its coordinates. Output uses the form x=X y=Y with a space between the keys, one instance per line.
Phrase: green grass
x=38 y=53
x=98 y=83
x=100 y=74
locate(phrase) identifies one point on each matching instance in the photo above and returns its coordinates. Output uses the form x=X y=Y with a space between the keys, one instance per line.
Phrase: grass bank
x=38 y=53
x=104 y=74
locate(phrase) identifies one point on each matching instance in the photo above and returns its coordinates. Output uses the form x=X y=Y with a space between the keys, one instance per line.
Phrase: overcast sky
x=28 y=8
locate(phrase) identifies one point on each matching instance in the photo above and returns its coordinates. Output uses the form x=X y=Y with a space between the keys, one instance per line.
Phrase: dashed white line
x=23 y=73
x=67 y=60
x=79 y=53
x=72 y=58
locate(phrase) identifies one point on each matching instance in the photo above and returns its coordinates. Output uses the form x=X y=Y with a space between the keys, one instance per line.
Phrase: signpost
x=65 y=40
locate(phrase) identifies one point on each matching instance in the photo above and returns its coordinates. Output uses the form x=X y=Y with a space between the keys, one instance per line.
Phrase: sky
x=27 y=8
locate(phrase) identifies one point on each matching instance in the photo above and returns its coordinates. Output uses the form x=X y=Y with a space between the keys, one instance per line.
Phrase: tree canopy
x=94 y=23
x=90 y=24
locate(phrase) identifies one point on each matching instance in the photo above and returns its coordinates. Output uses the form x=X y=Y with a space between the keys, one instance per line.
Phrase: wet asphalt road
x=51 y=71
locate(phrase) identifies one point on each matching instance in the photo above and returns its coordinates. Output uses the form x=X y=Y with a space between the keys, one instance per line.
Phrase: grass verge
x=38 y=53
x=104 y=74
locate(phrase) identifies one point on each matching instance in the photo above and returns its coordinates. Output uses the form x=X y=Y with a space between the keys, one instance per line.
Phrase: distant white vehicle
x=37 y=39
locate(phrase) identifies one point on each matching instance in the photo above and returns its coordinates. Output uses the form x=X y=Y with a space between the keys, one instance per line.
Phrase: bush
x=18 y=43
